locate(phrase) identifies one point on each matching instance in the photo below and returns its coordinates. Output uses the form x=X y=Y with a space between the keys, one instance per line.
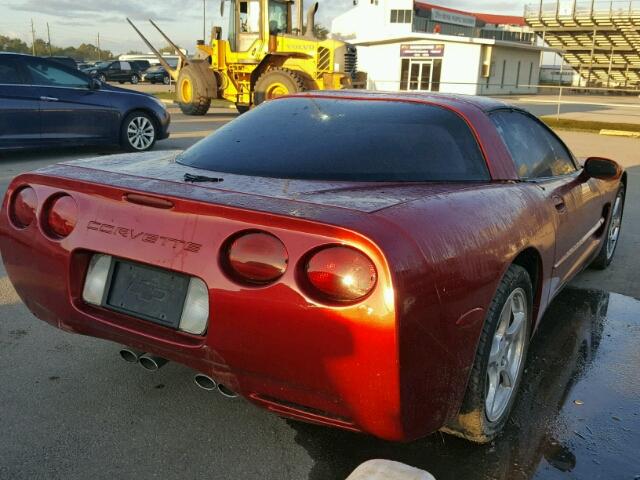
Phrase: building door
x=420 y=75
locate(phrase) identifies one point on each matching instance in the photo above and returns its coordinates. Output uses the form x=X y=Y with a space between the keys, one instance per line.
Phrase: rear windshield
x=329 y=139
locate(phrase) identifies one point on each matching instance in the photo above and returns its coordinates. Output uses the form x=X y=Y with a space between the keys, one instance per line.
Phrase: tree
x=13 y=45
x=86 y=51
x=167 y=50
x=320 y=31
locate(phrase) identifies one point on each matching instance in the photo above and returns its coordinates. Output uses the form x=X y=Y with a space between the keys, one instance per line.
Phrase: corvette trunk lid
x=158 y=173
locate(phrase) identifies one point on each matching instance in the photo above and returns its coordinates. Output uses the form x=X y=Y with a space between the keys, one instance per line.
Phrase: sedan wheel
x=139 y=133
x=102 y=78
x=166 y=80
x=134 y=79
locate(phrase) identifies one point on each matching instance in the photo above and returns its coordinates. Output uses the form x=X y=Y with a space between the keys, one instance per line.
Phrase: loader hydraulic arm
x=172 y=71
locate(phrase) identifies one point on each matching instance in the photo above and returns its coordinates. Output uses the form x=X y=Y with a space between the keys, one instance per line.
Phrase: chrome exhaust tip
x=130 y=355
x=226 y=391
x=205 y=382
x=151 y=362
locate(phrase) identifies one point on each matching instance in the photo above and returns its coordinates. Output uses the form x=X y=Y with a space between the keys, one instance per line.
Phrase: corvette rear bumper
x=272 y=345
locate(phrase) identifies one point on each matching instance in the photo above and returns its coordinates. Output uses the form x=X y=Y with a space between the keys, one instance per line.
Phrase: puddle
x=578 y=414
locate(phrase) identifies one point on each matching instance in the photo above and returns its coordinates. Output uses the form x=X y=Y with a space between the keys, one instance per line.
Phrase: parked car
x=116 y=71
x=68 y=61
x=157 y=74
x=83 y=66
x=44 y=103
x=371 y=262
x=140 y=65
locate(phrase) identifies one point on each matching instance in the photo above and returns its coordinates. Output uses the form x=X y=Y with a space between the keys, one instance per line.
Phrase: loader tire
x=194 y=89
x=277 y=82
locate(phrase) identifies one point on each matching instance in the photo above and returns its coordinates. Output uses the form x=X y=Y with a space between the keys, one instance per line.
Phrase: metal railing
x=574 y=102
x=610 y=7
x=424 y=25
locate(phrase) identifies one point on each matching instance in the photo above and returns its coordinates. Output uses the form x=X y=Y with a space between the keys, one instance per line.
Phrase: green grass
x=588 y=126
x=214 y=103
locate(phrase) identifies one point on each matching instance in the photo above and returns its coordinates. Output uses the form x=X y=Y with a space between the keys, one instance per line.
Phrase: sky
x=73 y=22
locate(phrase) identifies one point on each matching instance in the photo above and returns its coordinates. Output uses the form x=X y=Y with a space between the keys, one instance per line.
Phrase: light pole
x=204 y=20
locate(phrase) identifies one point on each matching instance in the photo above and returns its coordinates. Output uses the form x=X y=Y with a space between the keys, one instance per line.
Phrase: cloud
x=96 y=10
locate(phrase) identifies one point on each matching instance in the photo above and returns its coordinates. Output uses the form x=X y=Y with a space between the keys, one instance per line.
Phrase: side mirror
x=94 y=84
x=602 y=168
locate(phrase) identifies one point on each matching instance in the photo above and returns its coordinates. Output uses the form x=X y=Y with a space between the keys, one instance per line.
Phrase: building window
x=401 y=16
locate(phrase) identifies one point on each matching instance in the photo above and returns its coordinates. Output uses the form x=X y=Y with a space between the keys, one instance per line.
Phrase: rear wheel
x=191 y=89
x=612 y=235
x=499 y=364
x=138 y=132
x=277 y=82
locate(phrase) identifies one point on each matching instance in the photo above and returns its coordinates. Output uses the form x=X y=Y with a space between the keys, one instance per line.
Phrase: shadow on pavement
x=578 y=410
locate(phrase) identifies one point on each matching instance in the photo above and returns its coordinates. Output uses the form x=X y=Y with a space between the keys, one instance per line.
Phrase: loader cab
x=247 y=24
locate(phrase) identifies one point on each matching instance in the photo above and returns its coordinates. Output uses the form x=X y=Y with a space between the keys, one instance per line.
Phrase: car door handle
x=48 y=99
x=559 y=203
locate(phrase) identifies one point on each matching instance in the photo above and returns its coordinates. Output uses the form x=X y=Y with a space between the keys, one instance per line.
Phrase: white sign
x=452 y=18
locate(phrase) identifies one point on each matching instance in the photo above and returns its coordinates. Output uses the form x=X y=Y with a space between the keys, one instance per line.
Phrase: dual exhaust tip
x=154 y=363
x=146 y=361
x=207 y=383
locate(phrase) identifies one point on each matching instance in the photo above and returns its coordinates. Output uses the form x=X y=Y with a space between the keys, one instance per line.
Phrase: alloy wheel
x=140 y=133
x=614 y=227
x=506 y=357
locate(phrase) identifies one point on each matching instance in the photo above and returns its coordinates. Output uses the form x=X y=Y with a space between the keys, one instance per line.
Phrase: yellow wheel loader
x=263 y=56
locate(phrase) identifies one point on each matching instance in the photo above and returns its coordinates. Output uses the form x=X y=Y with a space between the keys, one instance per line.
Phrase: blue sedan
x=44 y=103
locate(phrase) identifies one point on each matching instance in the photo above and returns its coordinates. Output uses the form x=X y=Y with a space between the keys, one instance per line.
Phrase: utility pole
x=33 y=39
x=49 y=39
x=99 y=54
x=204 y=20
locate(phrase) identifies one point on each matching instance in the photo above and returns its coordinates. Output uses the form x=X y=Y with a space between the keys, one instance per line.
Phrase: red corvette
x=373 y=262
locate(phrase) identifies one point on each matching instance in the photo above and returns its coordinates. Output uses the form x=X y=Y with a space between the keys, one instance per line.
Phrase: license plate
x=149 y=293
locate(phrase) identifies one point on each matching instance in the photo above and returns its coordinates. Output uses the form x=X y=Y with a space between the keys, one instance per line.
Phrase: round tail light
x=61 y=216
x=341 y=274
x=23 y=207
x=256 y=258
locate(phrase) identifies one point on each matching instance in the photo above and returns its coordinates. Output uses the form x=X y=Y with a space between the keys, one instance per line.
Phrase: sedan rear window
x=334 y=139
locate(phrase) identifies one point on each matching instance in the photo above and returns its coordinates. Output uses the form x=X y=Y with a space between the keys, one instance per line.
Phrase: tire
x=242 y=108
x=138 y=133
x=480 y=419
x=277 y=82
x=611 y=237
x=102 y=78
x=166 y=80
x=195 y=86
x=152 y=82
x=121 y=82
x=134 y=79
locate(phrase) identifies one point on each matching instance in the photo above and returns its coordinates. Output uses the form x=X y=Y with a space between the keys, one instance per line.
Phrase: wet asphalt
x=71 y=409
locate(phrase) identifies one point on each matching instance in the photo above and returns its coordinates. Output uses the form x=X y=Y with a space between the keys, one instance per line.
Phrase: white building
x=415 y=46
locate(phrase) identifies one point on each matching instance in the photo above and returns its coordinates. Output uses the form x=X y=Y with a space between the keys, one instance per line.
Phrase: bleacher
x=599 y=39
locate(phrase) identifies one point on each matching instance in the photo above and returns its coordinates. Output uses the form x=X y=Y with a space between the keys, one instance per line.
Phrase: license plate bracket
x=146 y=292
